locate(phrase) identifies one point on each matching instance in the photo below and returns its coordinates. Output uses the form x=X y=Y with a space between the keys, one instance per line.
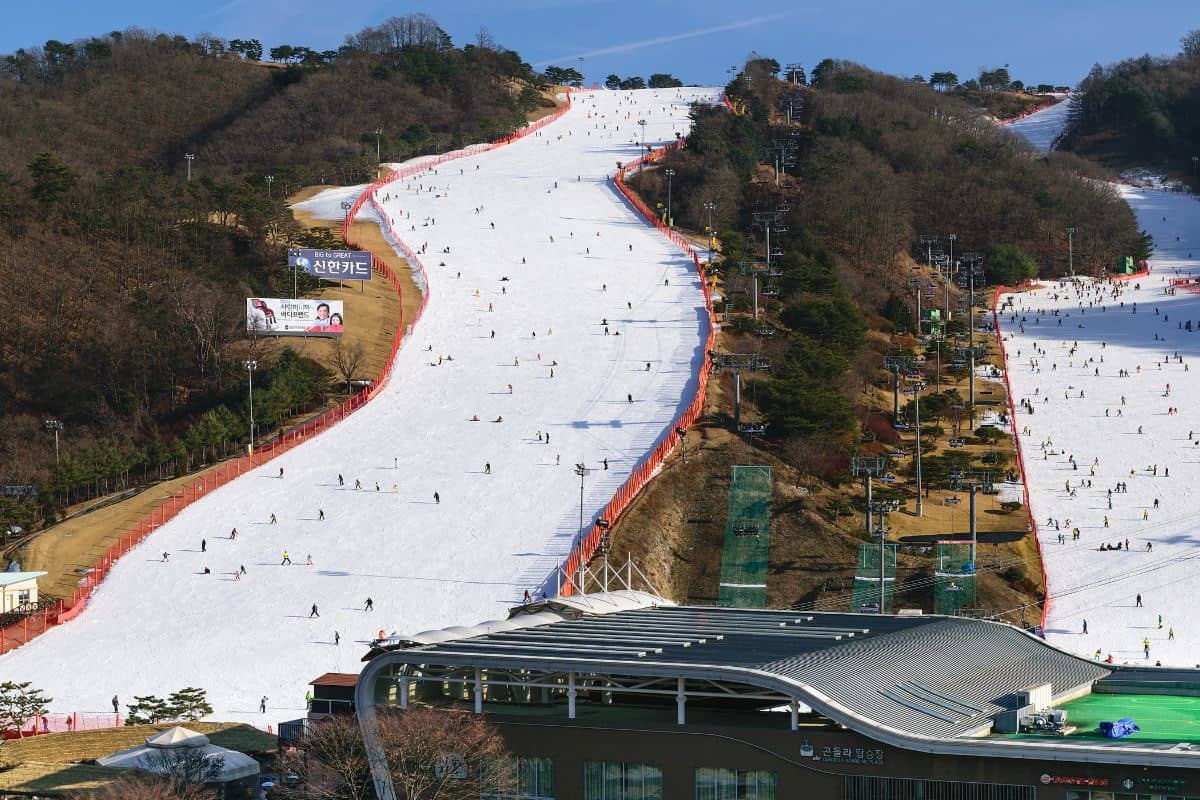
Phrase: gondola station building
x=625 y=695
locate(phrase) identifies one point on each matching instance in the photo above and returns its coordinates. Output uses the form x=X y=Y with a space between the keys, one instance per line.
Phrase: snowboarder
x=165 y=556
x=314 y=612
x=262 y=705
x=320 y=515
x=203 y=546
x=357 y=484
x=1138 y=602
x=437 y=499
x=233 y=534
x=309 y=563
x=369 y=605
x=337 y=639
x=1170 y=634
x=273 y=519
x=525 y=600
x=241 y=569
x=341 y=481
x=487 y=468
x=287 y=559
x=629 y=398
x=605 y=462
x=1085 y=627
x=281 y=473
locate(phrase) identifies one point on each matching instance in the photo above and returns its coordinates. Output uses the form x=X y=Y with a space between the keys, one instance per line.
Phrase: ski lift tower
x=867 y=467
x=883 y=508
x=928 y=240
x=738 y=362
x=972 y=481
x=969 y=275
x=917 y=388
x=918 y=286
x=754 y=269
x=896 y=362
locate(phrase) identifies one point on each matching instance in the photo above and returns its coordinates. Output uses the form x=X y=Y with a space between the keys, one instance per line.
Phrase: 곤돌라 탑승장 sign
x=334 y=265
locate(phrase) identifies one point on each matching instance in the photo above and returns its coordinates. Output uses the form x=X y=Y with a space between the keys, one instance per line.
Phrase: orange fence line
x=1012 y=416
x=30 y=626
x=589 y=542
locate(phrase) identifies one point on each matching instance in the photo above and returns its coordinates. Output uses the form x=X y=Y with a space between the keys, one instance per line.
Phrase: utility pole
x=670 y=173
x=250 y=366
x=1071 y=249
x=270 y=179
x=973 y=481
x=917 y=389
x=738 y=362
x=189 y=157
x=53 y=426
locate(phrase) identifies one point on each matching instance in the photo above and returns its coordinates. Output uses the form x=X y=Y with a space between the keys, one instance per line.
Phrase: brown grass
x=33 y=777
x=90 y=745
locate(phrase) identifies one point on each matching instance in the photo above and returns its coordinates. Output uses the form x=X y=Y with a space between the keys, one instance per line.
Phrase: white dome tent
x=164 y=749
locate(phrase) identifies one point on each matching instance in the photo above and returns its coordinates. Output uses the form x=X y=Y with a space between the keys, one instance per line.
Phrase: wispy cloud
x=674 y=37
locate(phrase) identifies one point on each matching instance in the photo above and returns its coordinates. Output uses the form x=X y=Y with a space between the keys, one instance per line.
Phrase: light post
x=682 y=434
x=1071 y=249
x=670 y=173
x=710 y=207
x=642 y=122
x=270 y=180
x=582 y=471
x=53 y=426
x=916 y=286
x=189 y=157
x=378 y=157
x=581 y=80
x=250 y=366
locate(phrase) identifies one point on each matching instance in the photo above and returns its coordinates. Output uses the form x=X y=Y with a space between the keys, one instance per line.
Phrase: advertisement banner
x=333 y=265
x=272 y=316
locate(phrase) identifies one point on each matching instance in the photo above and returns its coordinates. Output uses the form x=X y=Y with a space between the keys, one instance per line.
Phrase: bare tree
x=146 y=787
x=347 y=360
x=445 y=755
x=184 y=769
x=432 y=754
x=331 y=763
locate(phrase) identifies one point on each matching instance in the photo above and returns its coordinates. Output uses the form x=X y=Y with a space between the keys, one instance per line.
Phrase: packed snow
x=1043 y=127
x=1102 y=375
x=570 y=328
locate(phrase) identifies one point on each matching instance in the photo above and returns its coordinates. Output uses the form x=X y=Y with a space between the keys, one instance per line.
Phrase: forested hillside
x=128 y=280
x=870 y=164
x=1141 y=112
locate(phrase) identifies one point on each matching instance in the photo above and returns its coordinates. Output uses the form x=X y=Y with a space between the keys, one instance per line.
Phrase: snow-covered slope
x=541 y=252
x=1043 y=127
x=1096 y=374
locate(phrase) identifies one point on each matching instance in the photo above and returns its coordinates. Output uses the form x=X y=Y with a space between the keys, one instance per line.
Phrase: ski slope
x=509 y=306
x=1043 y=127
x=1095 y=418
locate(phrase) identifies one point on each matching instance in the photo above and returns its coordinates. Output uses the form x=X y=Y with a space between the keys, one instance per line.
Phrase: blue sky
x=1052 y=41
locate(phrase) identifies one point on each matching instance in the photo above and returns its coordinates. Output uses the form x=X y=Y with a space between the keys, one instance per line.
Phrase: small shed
x=332 y=693
x=18 y=589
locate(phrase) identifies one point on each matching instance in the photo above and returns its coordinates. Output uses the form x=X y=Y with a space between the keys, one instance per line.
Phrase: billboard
x=333 y=265
x=275 y=317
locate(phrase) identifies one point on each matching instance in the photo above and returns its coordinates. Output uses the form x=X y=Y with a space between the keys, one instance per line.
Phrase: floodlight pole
x=189 y=157
x=710 y=207
x=949 y=276
x=270 y=179
x=1071 y=249
x=670 y=173
x=642 y=122
x=378 y=156
x=54 y=426
x=582 y=471
x=917 y=287
x=250 y=366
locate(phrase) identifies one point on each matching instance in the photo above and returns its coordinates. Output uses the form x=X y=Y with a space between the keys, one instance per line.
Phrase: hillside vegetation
x=872 y=163
x=129 y=280
x=1141 y=112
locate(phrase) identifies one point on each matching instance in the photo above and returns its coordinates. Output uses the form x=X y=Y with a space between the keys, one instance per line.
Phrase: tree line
x=130 y=279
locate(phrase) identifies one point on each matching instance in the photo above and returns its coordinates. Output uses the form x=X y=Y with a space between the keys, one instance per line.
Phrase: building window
x=22 y=597
x=734 y=784
x=613 y=780
x=856 y=787
x=535 y=780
